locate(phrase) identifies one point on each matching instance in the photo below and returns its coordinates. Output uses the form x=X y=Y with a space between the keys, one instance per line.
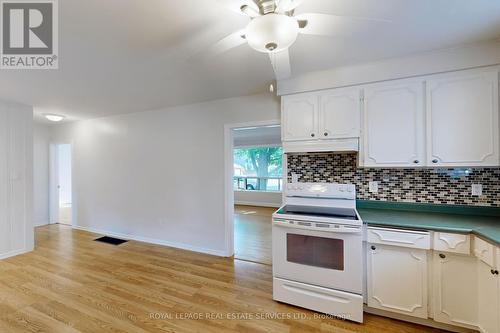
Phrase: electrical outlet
x=373 y=187
x=477 y=190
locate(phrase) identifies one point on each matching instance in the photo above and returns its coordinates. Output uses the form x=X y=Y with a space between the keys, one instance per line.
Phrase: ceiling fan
x=274 y=27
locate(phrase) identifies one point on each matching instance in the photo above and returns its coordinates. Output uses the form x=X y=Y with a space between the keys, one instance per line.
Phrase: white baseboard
x=40 y=224
x=13 y=253
x=182 y=246
x=257 y=204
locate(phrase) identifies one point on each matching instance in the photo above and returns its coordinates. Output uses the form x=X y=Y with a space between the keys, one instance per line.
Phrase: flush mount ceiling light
x=54 y=117
x=274 y=27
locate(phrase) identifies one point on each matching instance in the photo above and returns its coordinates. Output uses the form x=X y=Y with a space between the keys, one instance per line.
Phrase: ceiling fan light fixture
x=272 y=32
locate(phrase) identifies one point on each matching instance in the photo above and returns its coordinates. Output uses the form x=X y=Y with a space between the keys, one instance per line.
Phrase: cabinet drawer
x=455 y=243
x=484 y=251
x=403 y=238
x=329 y=301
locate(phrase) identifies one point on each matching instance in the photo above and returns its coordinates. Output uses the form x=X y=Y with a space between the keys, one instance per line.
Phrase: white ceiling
x=119 y=56
x=257 y=136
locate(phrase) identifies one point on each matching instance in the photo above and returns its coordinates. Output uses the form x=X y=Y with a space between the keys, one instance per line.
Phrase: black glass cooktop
x=331 y=212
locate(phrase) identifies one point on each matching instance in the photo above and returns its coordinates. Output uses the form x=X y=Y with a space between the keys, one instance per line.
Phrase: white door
x=397 y=279
x=339 y=113
x=462 y=120
x=394 y=121
x=300 y=117
x=488 y=299
x=61 y=203
x=455 y=289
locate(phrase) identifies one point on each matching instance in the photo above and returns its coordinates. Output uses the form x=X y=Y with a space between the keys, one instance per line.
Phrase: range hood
x=313 y=146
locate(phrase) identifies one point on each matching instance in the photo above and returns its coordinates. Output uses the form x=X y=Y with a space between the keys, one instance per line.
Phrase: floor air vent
x=110 y=240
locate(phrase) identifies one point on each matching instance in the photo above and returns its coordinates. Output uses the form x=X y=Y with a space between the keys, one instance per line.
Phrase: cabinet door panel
x=455 y=289
x=462 y=120
x=300 y=117
x=340 y=113
x=394 y=125
x=488 y=299
x=397 y=279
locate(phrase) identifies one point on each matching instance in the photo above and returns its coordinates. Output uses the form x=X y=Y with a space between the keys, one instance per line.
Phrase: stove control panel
x=321 y=190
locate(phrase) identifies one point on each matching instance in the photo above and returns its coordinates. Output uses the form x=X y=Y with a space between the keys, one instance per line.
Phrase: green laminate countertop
x=481 y=221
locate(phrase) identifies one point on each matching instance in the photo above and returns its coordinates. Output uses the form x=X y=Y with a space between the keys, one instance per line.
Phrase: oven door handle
x=338 y=230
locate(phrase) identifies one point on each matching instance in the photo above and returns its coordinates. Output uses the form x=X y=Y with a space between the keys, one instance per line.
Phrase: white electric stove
x=317 y=250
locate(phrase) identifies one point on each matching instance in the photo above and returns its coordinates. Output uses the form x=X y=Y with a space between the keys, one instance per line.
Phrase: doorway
x=257 y=180
x=61 y=189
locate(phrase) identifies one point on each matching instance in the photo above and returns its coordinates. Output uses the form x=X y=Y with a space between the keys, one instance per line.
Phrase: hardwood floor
x=72 y=284
x=253 y=234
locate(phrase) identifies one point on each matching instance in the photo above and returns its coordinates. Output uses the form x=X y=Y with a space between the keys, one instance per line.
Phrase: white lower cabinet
x=397 y=279
x=442 y=282
x=455 y=289
x=489 y=298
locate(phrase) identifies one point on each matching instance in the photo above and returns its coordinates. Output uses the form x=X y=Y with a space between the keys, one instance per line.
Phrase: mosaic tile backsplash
x=440 y=186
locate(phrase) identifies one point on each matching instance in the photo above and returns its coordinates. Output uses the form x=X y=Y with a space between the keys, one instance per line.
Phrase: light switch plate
x=477 y=190
x=373 y=187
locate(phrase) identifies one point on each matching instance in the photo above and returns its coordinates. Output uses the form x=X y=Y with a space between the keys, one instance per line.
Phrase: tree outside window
x=258 y=168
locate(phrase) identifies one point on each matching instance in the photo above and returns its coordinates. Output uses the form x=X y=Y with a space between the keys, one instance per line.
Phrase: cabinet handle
x=494 y=271
x=325 y=134
x=435 y=161
x=312 y=135
x=416 y=161
x=373 y=247
x=442 y=256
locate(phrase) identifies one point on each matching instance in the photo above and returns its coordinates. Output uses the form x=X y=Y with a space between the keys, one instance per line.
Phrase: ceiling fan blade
x=327 y=24
x=243 y=7
x=281 y=64
x=229 y=42
x=288 y=5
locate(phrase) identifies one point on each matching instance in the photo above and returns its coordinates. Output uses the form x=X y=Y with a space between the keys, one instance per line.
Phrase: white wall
x=41 y=174
x=158 y=176
x=257 y=198
x=457 y=58
x=16 y=179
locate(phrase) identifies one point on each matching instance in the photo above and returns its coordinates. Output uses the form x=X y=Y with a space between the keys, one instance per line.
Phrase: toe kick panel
x=333 y=302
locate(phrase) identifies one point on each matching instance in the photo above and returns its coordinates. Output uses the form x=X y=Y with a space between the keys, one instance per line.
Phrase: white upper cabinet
x=300 y=117
x=462 y=119
x=442 y=120
x=321 y=116
x=394 y=118
x=339 y=113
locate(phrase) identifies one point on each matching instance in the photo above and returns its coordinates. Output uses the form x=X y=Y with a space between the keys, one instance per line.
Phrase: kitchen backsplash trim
x=437 y=186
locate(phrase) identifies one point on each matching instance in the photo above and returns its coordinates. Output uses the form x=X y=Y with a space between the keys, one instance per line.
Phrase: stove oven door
x=331 y=259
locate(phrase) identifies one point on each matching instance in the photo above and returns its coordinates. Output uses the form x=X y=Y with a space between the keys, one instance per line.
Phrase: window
x=258 y=169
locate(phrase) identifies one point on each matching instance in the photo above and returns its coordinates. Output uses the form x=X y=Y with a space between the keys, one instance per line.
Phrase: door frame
x=53 y=184
x=228 y=178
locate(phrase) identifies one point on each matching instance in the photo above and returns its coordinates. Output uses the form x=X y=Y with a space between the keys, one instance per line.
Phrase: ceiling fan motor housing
x=272 y=32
